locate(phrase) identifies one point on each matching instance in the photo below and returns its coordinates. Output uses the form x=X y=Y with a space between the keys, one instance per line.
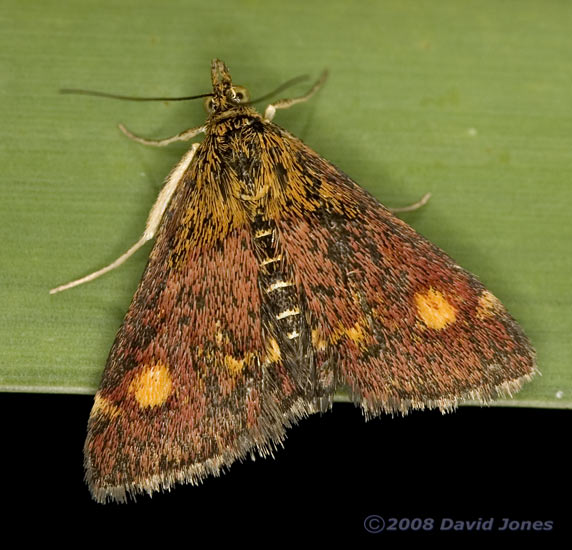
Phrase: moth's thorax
x=231 y=120
x=235 y=145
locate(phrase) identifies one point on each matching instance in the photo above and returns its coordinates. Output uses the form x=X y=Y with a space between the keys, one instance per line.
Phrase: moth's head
x=225 y=94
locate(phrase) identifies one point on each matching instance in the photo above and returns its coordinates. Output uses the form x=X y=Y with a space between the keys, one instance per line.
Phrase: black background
x=334 y=470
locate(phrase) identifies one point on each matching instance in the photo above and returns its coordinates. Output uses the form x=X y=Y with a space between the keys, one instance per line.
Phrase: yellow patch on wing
x=318 y=340
x=236 y=366
x=489 y=304
x=104 y=407
x=273 y=354
x=152 y=385
x=434 y=309
x=358 y=333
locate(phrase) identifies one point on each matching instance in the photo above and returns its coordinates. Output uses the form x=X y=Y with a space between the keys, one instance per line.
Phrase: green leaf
x=467 y=100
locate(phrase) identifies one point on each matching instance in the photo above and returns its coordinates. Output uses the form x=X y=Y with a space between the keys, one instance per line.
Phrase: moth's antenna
x=286 y=84
x=94 y=93
x=78 y=91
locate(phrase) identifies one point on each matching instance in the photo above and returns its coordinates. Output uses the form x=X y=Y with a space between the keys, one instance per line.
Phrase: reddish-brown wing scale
x=274 y=280
x=406 y=326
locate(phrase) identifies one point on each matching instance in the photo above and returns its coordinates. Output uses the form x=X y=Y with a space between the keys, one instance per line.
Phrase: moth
x=275 y=281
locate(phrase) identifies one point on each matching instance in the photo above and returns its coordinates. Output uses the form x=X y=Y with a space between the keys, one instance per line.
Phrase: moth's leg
x=183 y=136
x=411 y=207
x=153 y=220
x=286 y=103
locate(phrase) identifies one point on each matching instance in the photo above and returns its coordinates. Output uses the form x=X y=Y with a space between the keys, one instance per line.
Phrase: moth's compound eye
x=209 y=104
x=240 y=94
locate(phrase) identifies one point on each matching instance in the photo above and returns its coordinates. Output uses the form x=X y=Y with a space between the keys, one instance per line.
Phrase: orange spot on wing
x=318 y=340
x=489 y=304
x=358 y=333
x=236 y=366
x=434 y=309
x=152 y=385
x=273 y=354
x=104 y=407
